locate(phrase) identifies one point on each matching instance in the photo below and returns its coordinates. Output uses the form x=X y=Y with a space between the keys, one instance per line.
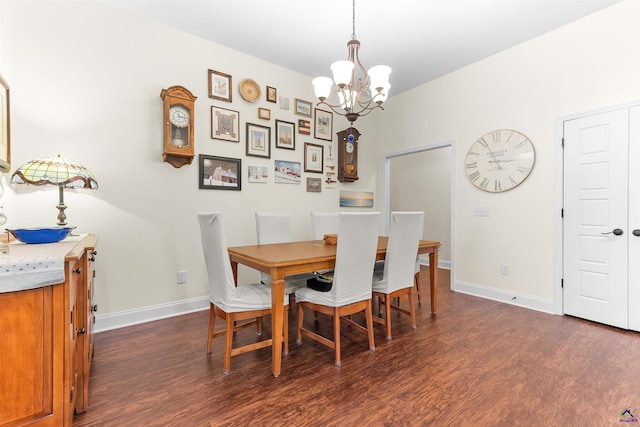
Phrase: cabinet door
x=73 y=274
x=29 y=350
x=85 y=338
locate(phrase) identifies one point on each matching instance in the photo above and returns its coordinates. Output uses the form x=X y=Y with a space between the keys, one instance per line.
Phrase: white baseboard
x=149 y=314
x=513 y=298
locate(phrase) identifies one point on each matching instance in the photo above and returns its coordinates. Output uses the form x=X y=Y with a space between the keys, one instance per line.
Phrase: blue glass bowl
x=41 y=234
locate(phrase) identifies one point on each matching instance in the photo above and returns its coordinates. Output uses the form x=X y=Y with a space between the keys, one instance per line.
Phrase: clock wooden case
x=348 y=155
x=178 y=147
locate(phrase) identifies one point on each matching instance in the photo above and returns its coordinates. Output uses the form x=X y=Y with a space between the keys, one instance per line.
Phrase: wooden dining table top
x=301 y=252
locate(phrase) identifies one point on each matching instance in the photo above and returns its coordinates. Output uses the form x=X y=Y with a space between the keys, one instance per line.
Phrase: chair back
x=273 y=227
x=216 y=258
x=405 y=232
x=355 y=257
x=323 y=223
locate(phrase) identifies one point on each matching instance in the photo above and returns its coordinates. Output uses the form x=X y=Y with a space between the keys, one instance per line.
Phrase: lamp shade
x=342 y=72
x=56 y=171
x=322 y=87
x=379 y=77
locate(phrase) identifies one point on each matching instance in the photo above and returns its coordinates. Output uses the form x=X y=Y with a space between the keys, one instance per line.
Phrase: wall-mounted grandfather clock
x=348 y=155
x=178 y=126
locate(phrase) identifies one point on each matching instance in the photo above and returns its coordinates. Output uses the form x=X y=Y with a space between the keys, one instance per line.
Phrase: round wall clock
x=500 y=160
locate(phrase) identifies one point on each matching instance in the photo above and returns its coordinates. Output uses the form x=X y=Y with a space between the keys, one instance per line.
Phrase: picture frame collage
x=225 y=173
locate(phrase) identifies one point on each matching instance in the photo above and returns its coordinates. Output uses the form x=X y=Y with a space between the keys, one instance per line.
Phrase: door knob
x=616 y=231
x=636 y=232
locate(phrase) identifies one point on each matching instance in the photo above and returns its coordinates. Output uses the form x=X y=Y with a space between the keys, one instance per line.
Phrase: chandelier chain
x=353 y=23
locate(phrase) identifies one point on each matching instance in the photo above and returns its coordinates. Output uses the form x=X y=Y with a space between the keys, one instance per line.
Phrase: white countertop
x=29 y=266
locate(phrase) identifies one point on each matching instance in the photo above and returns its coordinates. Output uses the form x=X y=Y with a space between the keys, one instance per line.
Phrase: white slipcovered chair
x=228 y=301
x=275 y=227
x=351 y=289
x=323 y=223
x=398 y=273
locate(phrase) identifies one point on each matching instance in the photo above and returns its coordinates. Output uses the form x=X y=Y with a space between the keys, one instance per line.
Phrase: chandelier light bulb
x=342 y=72
x=378 y=77
x=322 y=87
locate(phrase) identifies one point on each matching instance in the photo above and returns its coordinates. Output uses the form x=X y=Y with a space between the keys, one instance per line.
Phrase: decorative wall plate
x=250 y=90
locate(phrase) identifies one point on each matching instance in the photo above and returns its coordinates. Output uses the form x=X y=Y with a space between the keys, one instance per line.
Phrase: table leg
x=433 y=278
x=234 y=269
x=277 y=308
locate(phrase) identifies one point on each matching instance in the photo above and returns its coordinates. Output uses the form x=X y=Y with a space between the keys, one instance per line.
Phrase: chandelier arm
x=335 y=108
x=369 y=110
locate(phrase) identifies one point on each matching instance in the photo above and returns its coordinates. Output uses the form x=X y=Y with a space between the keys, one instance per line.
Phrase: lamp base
x=62 y=218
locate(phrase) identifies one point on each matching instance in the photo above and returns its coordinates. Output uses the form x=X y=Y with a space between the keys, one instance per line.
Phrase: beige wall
x=85 y=82
x=86 y=78
x=585 y=65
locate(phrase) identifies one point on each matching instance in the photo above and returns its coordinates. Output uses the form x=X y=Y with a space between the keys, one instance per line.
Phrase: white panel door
x=634 y=219
x=595 y=204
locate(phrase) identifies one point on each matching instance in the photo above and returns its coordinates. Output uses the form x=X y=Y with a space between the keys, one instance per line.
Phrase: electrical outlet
x=481 y=211
x=504 y=269
x=182 y=277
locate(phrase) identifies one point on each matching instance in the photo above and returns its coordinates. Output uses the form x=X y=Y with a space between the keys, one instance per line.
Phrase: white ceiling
x=420 y=39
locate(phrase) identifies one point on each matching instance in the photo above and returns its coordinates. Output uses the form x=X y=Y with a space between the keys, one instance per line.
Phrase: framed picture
x=220 y=86
x=324 y=125
x=285 y=135
x=302 y=108
x=287 y=172
x=304 y=127
x=356 y=199
x=258 y=174
x=313 y=155
x=5 y=128
x=220 y=173
x=225 y=124
x=258 y=140
x=284 y=103
x=314 y=185
x=264 y=113
x=272 y=94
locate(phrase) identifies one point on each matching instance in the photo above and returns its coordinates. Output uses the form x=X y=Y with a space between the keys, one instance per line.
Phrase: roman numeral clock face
x=500 y=160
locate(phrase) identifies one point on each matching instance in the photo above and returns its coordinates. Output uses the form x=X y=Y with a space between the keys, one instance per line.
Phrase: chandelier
x=359 y=92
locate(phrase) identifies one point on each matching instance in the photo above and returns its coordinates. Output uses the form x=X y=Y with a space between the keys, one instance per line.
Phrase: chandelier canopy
x=359 y=92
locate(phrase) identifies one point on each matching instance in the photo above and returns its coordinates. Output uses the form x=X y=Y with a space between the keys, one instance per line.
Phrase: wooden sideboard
x=46 y=344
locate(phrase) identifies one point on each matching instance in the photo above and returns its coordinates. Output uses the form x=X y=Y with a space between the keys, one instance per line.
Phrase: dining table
x=285 y=259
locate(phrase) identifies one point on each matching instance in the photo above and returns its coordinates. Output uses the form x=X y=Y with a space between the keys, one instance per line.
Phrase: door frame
x=558 y=223
x=385 y=184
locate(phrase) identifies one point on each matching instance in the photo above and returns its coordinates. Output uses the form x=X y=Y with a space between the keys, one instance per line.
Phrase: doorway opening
x=387 y=196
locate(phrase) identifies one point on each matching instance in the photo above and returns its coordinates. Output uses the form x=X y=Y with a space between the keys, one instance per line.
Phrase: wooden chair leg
x=369 y=316
x=336 y=335
x=259 y=326
x=300 y=319
x=387 y=316
x=412 y=310
x=228 y=338
x=212 y=322
x=416 y=280
x=285 y=332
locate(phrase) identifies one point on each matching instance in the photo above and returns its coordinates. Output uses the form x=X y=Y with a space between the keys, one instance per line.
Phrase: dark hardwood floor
x=477 y=363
